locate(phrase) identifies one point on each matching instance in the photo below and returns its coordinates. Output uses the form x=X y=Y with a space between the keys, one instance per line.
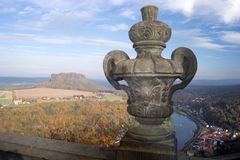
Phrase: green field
x=4 y=100
x=112 y=97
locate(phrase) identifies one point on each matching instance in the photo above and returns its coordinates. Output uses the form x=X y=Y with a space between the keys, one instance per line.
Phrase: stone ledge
x=48 y=149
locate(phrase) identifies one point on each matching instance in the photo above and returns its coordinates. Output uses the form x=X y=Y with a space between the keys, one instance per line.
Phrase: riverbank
x=184 y=129
x=209 y=140
x=197 y=132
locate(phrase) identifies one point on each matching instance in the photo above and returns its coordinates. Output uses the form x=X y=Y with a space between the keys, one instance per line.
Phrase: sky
x=40 y=37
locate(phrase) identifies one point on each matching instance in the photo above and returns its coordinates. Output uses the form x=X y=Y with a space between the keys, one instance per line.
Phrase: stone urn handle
x=188 y=61
x=109 y=65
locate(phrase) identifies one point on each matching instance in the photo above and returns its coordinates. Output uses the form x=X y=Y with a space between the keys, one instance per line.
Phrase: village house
x=18 y=101
x=78 y=97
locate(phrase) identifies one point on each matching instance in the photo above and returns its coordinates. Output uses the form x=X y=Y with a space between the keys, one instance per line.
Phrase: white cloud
x=220 y=11
x=183 y=6
x=129 y=14
x=114 y=28
x=60 y=19
x=197 y=38
x=73 y=4
x=53 y=4
x=118 y=2
x=62 y=40
x=231 y=13
x=226 y=11
x=205 y=42
x=213 y=57
x=57 y=14
x=28 y=10
x=7 y=9
x=45 y=64
x=231 y=37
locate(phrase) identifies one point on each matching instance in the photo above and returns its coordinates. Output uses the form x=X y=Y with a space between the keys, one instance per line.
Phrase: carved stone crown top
x=150 y=31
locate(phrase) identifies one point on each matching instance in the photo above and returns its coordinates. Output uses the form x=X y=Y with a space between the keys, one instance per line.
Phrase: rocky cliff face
x=74 y=81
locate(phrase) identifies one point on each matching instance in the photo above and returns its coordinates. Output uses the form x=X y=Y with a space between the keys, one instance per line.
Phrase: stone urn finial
x=149 y=13
x=150 y=32
x=150 y=77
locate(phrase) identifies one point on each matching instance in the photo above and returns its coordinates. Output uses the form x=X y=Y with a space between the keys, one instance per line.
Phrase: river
x=184 y=128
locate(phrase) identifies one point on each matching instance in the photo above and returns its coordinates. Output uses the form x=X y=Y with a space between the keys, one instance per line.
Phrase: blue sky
x=40 y=37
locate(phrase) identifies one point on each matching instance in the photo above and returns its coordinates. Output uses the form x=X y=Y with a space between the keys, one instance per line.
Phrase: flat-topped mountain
x=74 y=81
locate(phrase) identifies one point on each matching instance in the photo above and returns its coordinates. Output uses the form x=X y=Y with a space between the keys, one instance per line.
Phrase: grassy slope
x=5 y=97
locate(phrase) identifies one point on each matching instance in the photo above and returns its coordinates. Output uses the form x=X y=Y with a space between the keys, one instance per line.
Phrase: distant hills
x=20 y=82
x=78 y=81
x=74 y=81
x=222 y=82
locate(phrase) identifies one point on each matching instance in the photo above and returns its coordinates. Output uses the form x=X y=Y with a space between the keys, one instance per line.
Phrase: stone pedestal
x=131 y=149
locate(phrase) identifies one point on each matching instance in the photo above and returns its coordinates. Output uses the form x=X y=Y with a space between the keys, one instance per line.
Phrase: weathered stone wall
x=18 y=147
